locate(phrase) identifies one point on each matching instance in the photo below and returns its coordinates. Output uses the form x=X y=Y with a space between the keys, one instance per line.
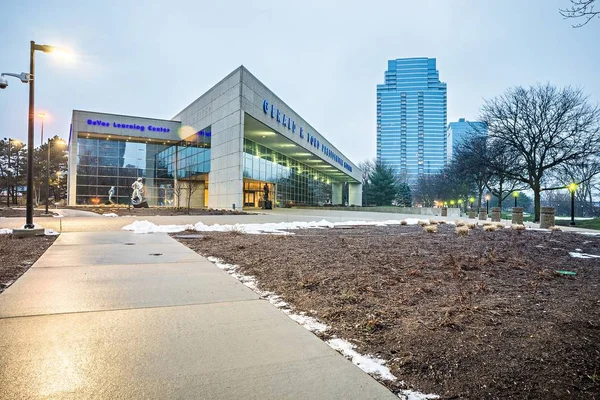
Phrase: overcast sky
x=323 y=58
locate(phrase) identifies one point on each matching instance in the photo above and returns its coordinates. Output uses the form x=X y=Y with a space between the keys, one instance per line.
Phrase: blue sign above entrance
x=289 y=123
x=140 y=128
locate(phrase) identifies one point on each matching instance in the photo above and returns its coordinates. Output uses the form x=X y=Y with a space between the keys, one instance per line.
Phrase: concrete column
x=472 y=214
x=496 y=214
x=547 y=217
x=444 y=211
x=336 y=193
x=517 y=216
x=355 y=194
x=72 y=171
x=483 y=215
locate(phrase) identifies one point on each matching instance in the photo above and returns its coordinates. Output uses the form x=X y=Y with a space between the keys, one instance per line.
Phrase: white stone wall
x=336 y=193
x=355 y=194
x=220 y=109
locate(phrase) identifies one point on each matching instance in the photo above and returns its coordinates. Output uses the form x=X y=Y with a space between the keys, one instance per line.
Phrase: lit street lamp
x=30 y=78
x=472 y=200
x=572 y=188
x=487 y=203
x=59 y=142
x=516 y=196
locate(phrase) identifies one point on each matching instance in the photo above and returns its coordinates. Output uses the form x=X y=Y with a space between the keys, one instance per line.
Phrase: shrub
x=462 y=230
x=490 y=228
x=423 y=222
x=430 y=228
x=500 y=225
x=472 y=225
x=461 y=223
x=403 y=222
x=517 y=227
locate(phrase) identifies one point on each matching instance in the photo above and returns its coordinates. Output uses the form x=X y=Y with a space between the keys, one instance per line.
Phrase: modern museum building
x=234 y=145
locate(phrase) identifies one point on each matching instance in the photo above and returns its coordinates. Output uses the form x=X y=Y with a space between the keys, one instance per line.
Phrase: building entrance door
x=254 y=193
x=249 y=199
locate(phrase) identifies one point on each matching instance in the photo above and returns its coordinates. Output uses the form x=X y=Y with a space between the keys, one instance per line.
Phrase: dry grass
x=403 y=222
x=460 y=223
x=430 y=228
x=423 y=222
x=490 y=228
x=555 y=228
x=462 y=230
x=517 y=227
x=472 y=225
x=500 y=225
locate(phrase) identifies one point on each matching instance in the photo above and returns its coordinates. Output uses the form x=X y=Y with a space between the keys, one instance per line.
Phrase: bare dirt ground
x=18 y=254
x=484 y=316
x=124 y=211
x=11 y=212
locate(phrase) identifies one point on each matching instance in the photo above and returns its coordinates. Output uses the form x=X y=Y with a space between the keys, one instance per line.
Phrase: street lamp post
x=487 y=203
x=472 y=200
x=572 y=188
x=59 y=141
x=515 y=195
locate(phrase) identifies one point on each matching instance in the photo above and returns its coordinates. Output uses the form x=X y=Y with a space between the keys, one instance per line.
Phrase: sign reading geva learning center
x=289 y=123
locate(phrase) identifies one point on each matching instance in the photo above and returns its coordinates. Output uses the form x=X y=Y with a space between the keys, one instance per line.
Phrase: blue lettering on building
x=286 y=121
x=137 y=127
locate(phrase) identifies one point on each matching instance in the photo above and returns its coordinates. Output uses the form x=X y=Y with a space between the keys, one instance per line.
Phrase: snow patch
x=576 y=254
x=109 y=215
x=412 y=395
x=149 y=227
x=368 y=363
x=273 y=228
x=51 y=232
x=5 y=231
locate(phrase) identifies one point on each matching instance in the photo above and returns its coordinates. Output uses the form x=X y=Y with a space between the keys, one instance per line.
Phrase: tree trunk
x=537 y=203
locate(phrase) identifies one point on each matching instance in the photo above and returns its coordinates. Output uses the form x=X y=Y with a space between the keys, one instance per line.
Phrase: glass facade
x=459 y=131
x=294 y=182
x=107 y=167
x=411 y=118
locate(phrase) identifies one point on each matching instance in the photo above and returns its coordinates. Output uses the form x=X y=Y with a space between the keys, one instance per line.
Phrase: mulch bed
x=12 y=213
x=152 y=211
x=18 y=254
x=481 y=316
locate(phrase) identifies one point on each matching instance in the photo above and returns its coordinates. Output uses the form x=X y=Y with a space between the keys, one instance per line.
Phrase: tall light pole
x=42 y=115
x=30 y=137
x=61 y=142
x=487 y=203
x=572 y=188
x=515 y=195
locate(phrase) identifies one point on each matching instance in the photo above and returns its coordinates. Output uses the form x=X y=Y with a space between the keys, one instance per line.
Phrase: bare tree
x=544 y=128
x=177 y=191
x=471 y=163
x=583 y=172
x=190 y=186
x=581 y=9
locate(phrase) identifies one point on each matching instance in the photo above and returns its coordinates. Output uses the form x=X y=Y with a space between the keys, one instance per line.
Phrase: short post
x=517 y=215
x=482 y=215
x=547 y=217
x=472 y=213
x=496 y=214
x=444 y=211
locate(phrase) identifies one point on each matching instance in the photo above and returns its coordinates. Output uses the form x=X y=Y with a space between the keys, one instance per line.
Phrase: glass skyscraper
x=411 y=118
x=459 y=131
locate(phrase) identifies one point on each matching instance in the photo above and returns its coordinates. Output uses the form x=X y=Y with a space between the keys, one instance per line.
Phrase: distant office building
x=458 y=131
x=411 y=117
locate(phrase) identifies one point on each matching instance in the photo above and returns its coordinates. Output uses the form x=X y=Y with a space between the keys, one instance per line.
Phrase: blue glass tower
x=459 y=131
x=411 y=118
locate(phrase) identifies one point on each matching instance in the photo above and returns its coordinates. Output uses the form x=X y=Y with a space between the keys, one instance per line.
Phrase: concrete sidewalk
x=117 y=315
